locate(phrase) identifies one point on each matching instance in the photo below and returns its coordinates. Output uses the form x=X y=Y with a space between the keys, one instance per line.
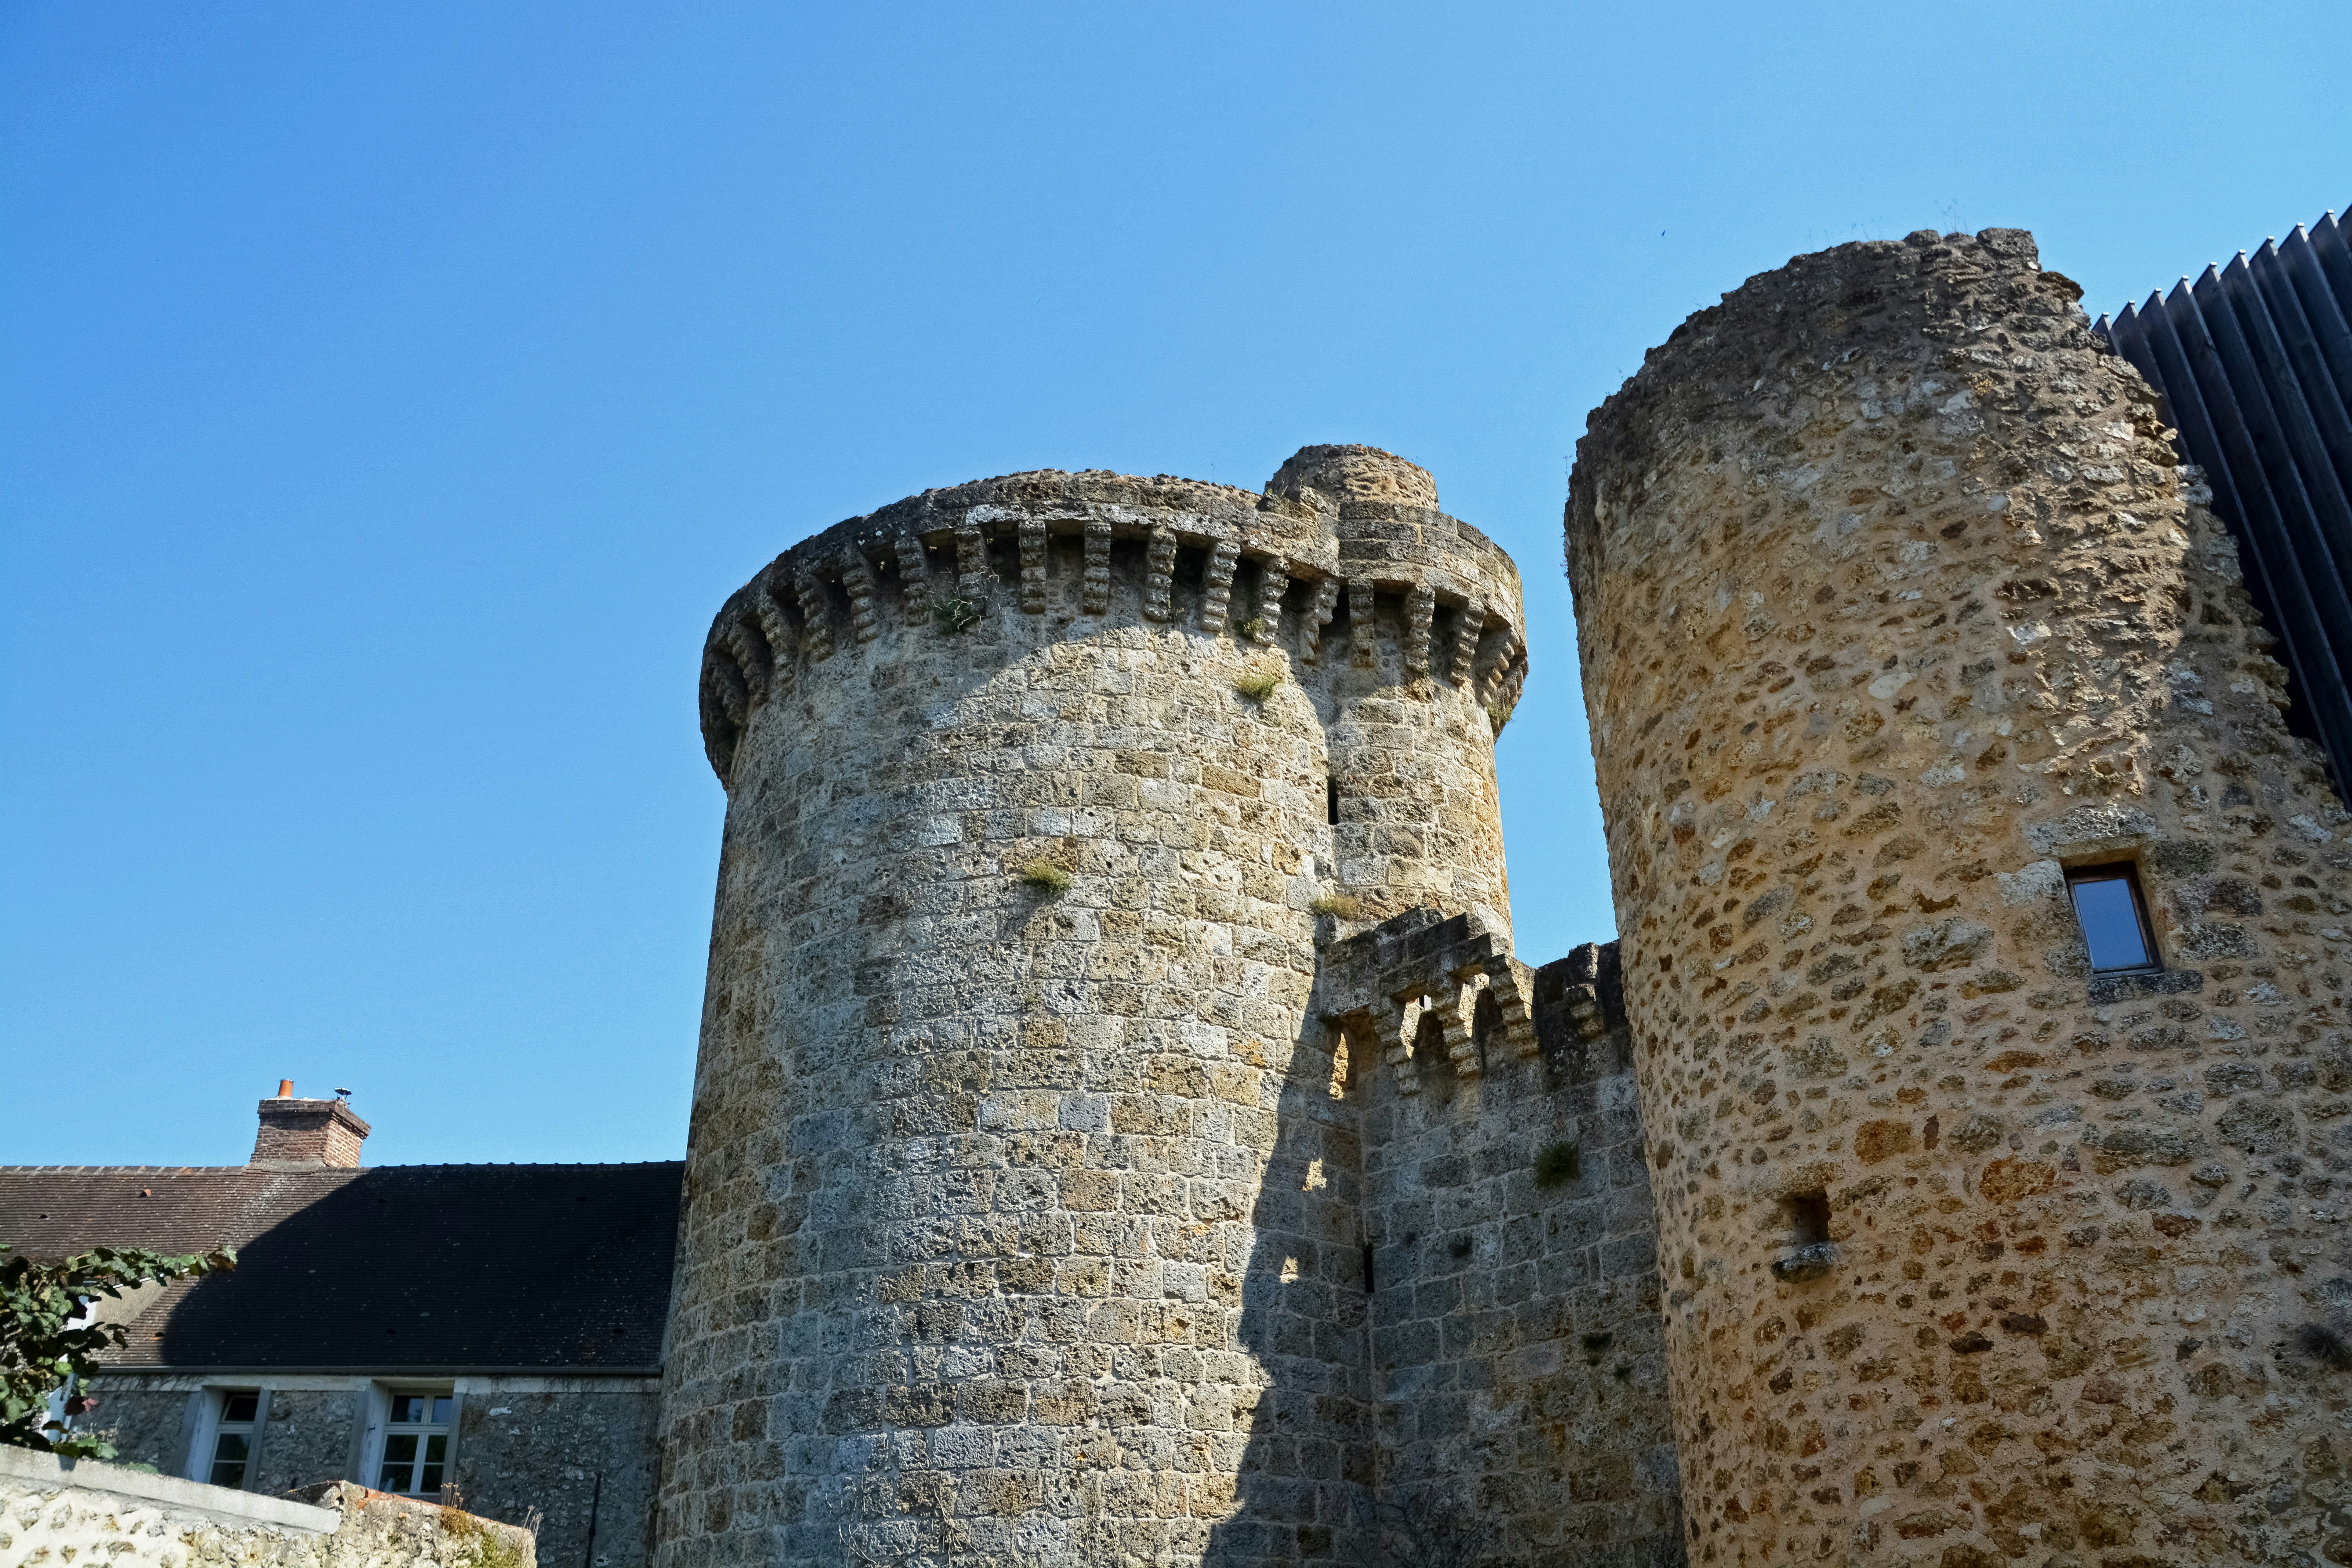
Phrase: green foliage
x=955 y=612
x=42 y=1347
x=1499 y=713
x=1044 y=874
x=1339 y=904
x=1556 y=1164
x=1252 y=628
x=1258 y=681
x=479 y=1547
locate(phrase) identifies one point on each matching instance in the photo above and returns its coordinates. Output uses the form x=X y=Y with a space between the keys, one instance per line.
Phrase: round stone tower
x=1901 y=632
x=1041 y=791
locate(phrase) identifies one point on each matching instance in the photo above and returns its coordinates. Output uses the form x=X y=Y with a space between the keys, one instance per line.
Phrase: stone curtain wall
x=1515 y=1343
x=1454 y=1289
x=1893 y=604
x=968 y=1239
x=57 y=1512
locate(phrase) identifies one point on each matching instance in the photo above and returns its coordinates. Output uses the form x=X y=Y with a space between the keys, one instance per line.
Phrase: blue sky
x=389 y=395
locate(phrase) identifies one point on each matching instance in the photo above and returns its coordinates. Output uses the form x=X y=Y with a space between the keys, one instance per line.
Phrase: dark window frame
x=2127 y=873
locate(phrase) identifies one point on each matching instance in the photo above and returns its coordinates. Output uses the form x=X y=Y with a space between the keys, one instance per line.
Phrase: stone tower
x=1042 y=792
x=1897 y=615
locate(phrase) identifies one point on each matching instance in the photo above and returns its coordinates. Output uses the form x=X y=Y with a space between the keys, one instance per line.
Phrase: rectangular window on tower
x=416 y=1443
x=2113 y=914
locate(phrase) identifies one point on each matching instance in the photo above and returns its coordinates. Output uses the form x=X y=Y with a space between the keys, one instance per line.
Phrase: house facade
x=489 y=1333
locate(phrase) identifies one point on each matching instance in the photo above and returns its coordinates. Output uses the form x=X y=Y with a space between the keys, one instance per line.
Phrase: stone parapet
x=1422 y=972
x=1095 y=549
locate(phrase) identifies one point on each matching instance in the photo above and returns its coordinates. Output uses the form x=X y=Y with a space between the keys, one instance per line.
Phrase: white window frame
x=214 y=1399
x=379 y=1428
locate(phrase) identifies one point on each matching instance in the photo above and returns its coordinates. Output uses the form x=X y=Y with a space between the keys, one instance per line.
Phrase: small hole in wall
x=1331 y=801
x=1808 y=1214
x=1368 y=1268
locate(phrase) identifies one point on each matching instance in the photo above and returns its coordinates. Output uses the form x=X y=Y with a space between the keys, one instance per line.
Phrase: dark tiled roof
x=442 y=1267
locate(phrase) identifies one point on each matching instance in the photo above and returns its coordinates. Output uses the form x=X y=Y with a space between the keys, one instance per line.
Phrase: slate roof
x=397 y=1268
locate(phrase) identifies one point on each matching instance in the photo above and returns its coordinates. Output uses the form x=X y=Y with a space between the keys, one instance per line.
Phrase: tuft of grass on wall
x=2324 y=1345
x=1339 y=904
x=1258 y=681
x=1557 y=1163
x=1044 y=875
x=954 y=613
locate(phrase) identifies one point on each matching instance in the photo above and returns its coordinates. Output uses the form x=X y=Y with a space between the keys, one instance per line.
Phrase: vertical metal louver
x=2255 y=362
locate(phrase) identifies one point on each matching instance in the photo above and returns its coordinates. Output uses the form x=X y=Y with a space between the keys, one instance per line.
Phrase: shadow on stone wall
x=1454 y=1292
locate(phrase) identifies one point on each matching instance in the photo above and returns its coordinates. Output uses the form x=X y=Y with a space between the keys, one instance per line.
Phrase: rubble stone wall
x=1893 y=606
x=577 y=1452
x=149 y=1421
x=56 y=1512
x=1028 y=856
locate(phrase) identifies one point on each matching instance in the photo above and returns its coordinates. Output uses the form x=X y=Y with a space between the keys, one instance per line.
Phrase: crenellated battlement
x=1278 y=571
x=1419 y=982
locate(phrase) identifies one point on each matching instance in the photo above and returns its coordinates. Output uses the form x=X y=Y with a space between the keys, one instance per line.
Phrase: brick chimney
x=306 y=1133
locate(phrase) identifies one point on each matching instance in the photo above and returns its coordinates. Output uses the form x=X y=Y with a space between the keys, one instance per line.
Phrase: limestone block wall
x=1894 y=606
x=55 y=1512
x=967 y=1245
x=1519 y=1374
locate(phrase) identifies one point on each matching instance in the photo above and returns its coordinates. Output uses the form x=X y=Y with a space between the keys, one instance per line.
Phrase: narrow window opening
x=1338 y=1064
x=2113 y=913
x=240 y=1411
x=1331 y=801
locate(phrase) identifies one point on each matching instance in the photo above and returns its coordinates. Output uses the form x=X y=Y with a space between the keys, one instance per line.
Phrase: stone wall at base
x=1894 y=608
x=55 y=1512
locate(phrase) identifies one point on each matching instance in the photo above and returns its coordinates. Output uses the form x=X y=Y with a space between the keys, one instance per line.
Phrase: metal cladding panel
x=2255 y=361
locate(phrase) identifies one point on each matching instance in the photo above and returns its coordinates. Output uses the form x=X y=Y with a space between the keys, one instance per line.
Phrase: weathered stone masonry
x=1893 y=605
x=1030 y=1223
